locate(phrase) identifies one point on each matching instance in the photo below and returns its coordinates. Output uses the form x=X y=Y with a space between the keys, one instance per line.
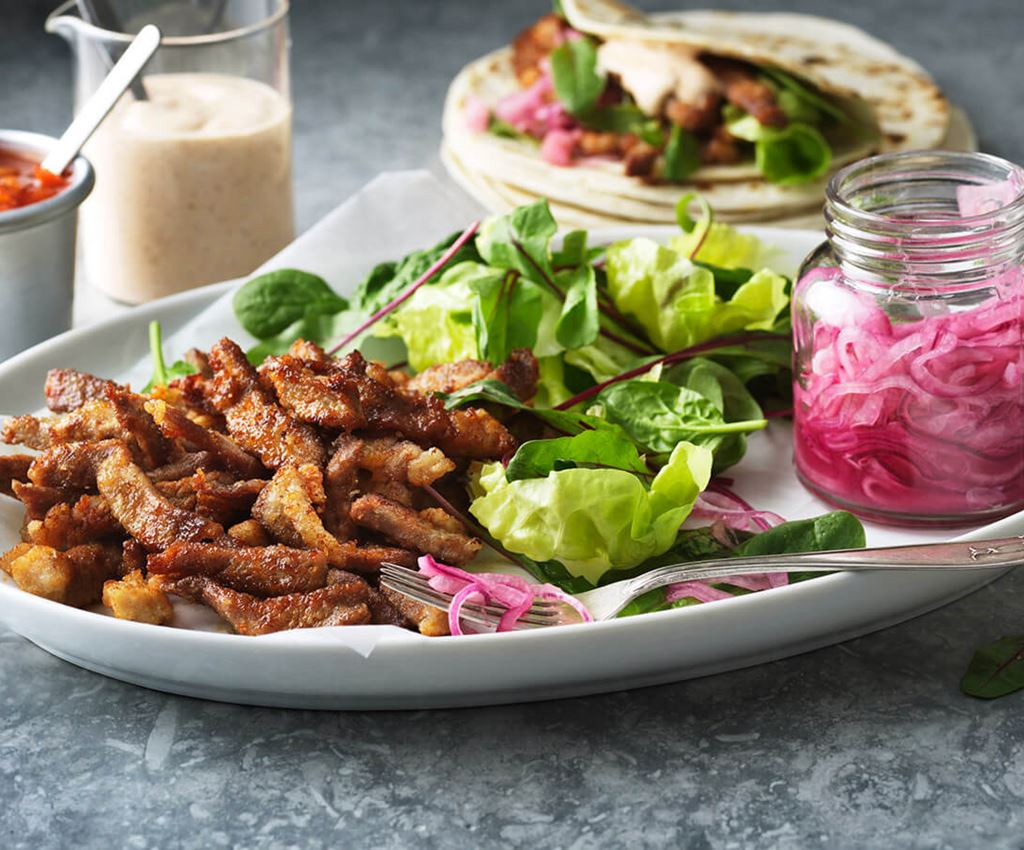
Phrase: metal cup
x=37 y=253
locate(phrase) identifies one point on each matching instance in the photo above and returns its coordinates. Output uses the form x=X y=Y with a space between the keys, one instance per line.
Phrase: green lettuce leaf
x=574 y=74
x=591 y=520
x=725 y=247
x=579 y=322
x=520 y=240
x=797 y=153
x=676 y=300
x=682 y=154
x=436 y=323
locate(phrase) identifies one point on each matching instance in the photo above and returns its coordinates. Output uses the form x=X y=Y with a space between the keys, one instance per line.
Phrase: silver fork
x=606 y=602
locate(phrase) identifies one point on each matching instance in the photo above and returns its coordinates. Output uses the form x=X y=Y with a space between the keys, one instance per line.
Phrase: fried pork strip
x=137 y=427
x=254 y=421
x=407 y=528
x=74 y=577
x=94 y=420
x=695 y=117
x=38 y=500
x=71 y=466
x=13 y=468
x=120 y=415
x=342 y=604
x=533 y=45
x=285 y=509
x=260 y=571
x=226 y=502
x=341 y=479
x=432 y=622
x=224 y=452
x=69 y=389
x=65 y=525
x=249 y=533
x=520 y=373
x=743 y=89
x=183 y=467
x=391 y=459
x=134 y=598
x=311 y=398
x=472 y=433
x=143 y=512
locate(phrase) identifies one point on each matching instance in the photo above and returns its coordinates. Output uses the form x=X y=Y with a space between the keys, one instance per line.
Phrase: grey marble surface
x=866 y=744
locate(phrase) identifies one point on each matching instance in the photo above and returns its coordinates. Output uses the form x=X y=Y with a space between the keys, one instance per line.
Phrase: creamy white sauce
x=652 y=73
x=192 y=186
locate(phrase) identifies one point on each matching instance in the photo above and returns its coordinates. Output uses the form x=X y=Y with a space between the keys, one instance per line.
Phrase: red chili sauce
x=24 y=182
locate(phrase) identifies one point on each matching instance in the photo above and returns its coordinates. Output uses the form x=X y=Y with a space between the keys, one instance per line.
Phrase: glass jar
x=193 y=183
x=907 y=331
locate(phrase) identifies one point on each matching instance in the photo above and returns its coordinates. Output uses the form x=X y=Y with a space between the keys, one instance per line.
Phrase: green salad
x=657 y=362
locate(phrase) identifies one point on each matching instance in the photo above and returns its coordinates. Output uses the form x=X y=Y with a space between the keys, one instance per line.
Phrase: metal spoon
x=96 y=108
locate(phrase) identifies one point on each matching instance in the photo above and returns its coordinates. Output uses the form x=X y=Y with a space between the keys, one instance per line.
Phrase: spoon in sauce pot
x=96 y=108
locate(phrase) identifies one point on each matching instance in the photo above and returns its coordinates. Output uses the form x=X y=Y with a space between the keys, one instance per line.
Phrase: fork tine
x=415 y=586
x=415 y=581
x=470 y=612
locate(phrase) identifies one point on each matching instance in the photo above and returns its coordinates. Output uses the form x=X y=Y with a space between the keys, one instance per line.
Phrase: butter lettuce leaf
x=436 y=323
x=591 y=520
x=676 y=300
x=795 y=154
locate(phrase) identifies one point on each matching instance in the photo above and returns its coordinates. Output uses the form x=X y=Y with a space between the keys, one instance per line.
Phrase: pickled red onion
x=919 y=417
x=512 y=592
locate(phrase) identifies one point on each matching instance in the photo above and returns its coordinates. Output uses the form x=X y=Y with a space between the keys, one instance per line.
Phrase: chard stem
x=441 y=262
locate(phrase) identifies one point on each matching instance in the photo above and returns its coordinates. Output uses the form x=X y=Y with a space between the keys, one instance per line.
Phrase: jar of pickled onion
x=907 y=331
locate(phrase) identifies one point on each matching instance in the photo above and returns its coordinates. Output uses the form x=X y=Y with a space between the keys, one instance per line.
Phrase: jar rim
x=953 y=163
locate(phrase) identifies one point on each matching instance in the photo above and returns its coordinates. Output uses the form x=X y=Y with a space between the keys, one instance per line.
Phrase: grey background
x=866 y=744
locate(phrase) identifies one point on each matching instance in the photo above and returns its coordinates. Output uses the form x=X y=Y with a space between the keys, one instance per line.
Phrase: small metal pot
x=37 y=253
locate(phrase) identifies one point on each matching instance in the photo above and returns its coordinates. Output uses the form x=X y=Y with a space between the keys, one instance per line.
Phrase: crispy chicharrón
x=269 y=494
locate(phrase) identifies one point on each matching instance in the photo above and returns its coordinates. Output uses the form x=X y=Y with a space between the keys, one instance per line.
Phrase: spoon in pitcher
x=101 y=13
x=98 y=106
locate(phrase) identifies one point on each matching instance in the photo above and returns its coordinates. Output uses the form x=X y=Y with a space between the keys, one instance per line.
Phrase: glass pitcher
x=193 y=183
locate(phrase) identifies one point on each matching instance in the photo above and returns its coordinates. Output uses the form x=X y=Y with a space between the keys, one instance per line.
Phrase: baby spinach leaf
x=682 y=154
x=835 y=530
x=536 y=458
x=520 y=240
x=574 y=75
x=658 y=415
x=388 y=280
x=728 y=394
x=996 y=670
x=580 y=322
x=269 y=303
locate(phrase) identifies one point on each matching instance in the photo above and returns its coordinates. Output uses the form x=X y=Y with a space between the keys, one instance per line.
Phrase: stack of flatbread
x=898 y=104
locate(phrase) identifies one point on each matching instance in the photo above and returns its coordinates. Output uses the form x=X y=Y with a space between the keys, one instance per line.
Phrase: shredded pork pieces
x=271 y=495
